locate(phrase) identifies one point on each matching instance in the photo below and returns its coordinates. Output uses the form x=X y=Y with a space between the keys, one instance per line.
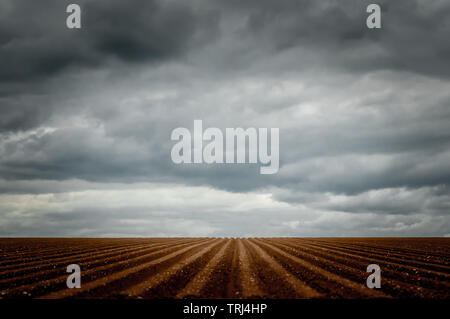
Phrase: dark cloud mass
x=36 y=43
x=86 y=117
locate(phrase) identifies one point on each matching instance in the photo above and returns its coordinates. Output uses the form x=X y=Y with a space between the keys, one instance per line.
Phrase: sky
x=86 y=117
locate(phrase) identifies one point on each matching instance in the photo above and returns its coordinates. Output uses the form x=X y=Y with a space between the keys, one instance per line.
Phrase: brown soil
x=225 y=268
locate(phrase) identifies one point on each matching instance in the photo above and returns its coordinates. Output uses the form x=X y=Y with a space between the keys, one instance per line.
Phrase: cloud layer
x=87 y=115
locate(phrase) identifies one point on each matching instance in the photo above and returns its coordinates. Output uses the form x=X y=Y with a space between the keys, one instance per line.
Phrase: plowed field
x=225 y=268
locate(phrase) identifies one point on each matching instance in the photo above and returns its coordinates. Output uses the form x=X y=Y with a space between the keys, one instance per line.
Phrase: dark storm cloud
x=411 y=38
x=35 y=41
x=79 y=153
x=129 y=141
x=363 y=114
x=36 y=46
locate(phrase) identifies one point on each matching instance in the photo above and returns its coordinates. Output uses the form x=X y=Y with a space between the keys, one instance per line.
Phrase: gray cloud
x=36 y=43
x=360 y=112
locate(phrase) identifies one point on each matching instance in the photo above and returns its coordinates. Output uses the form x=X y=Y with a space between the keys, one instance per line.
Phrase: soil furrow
x=301 y=288
x=418 y=260
x=376 y=258
x=120 y=275
x=394 y=283
x=171 y=276
x=88 y=263
x=59 y=283
x=197 y=284
x=359 y=288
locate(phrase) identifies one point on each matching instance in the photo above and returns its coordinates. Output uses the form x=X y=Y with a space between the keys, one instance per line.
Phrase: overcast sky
x=86 y=117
